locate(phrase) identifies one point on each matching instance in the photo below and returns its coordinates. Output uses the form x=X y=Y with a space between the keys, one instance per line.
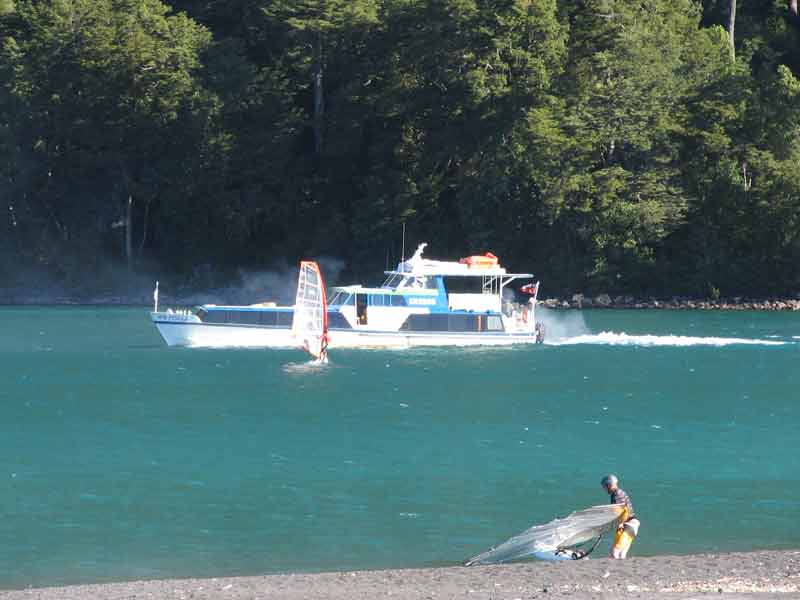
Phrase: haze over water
x=121 y=458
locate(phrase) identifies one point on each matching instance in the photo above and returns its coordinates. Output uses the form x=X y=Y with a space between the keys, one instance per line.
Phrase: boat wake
x=610 y=338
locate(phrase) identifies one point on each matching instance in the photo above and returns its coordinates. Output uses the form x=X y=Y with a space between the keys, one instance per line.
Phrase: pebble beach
x=762 y=574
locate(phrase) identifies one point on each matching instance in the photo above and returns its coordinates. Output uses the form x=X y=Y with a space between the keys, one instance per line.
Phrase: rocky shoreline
x=577 y=301
x=606 y=301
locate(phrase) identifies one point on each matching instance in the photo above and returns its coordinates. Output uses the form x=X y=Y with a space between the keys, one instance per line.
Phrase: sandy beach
x=764 y=574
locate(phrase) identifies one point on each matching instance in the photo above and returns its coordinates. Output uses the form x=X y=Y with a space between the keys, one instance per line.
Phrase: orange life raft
x=481 y=261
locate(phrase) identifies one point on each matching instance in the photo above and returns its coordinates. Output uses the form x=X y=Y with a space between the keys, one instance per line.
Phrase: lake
x=121 y=458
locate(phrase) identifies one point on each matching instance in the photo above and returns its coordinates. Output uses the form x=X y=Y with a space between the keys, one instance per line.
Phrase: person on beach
x=628 y=525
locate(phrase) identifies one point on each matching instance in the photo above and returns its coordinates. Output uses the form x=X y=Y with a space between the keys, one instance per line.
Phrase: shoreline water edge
x=575 y=302
x=762 y=574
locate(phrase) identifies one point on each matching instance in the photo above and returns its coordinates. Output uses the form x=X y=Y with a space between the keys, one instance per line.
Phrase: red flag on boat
x=531 y=288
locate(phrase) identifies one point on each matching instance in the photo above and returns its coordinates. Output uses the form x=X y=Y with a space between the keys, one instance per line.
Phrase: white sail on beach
x=537 y=541
x=310 y=320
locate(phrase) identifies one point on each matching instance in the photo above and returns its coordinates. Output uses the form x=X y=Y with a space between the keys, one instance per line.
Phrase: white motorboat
x=421 y=303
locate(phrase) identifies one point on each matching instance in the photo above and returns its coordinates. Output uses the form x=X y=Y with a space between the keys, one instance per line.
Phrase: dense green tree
x=612 y=145
x=740 y=156
x=317 y=29
x=106 y=93
x=742 y=166
x=629 y=70
x=457 y=80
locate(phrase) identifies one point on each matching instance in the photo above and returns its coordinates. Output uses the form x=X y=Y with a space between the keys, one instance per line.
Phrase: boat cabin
x=429 y=295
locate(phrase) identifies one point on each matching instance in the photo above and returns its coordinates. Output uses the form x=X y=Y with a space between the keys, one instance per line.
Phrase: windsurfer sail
x=310 y=321
x=552 y=541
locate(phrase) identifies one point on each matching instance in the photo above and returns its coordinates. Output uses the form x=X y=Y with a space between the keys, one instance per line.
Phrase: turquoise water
x=121 y=458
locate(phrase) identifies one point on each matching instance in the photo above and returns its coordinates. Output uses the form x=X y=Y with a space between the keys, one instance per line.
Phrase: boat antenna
x=155 y=298
x=403 y=247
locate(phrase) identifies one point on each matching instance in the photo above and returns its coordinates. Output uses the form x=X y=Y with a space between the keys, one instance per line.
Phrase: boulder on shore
x=603 y=300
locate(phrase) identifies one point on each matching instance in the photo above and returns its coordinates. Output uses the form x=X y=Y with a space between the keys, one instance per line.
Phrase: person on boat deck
x=628 y=527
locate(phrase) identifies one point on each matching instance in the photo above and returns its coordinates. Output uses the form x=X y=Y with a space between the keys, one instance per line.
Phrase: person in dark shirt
x=628 y=527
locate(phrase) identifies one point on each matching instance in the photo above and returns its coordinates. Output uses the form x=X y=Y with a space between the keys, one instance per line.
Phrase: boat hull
x=206 y=335
x=390 y=339
x=197 y=334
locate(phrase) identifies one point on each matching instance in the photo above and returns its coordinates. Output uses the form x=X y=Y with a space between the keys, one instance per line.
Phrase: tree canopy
x=607 y=145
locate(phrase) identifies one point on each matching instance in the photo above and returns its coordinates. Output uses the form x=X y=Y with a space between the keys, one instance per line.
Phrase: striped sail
x=310 y=320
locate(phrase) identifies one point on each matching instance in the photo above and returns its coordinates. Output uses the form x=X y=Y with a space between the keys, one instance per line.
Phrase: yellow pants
x=624 y=538
x=622 y=542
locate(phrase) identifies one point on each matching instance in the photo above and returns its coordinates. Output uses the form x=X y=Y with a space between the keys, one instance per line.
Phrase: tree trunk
x=128 y=232
x=319 y=100
x=128 y=221
x=731 y=27
x=145 y=220
x=14 y=226
x=793 y=7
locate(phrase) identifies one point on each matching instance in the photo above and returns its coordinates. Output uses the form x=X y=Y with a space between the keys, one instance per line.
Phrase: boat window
x=269 y=318
x=215 y=316
x=462 y=285
x=341 y=299
x=463 y=323
x=467 y=322
x=336 y=320
x=416 y=323
x=439 y=322
x=392 y=281
x=398 y=300
x=428 y=322
x=250 y=317
x=494 y=323
x=284 y=318
x=380 y=300
x=422 y=283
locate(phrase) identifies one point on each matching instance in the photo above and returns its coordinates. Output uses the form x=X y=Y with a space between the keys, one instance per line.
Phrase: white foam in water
x=623 y=339
x=311 y=366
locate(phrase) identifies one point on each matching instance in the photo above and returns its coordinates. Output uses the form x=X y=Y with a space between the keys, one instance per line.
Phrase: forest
x=620 y=146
